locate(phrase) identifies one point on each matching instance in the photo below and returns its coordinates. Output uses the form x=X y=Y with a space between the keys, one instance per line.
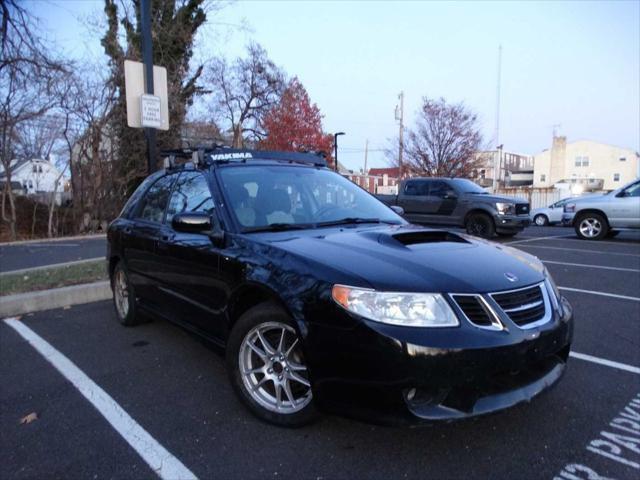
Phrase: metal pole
x=335 y=149
x=401 y=134
x=147 y=59
x=366 y=152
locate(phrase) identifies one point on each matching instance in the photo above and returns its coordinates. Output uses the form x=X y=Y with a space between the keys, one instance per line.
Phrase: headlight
x=570 y=208
x=406 y=309
x=552 y=288
x=506 y=208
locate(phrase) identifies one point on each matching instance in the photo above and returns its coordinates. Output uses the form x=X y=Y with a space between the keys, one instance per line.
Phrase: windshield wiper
x=354 y=220
x=278 y=227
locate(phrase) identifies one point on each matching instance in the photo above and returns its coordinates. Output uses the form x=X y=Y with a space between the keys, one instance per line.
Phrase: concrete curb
x=54 y=265
x=55 y=239
x=29 y=302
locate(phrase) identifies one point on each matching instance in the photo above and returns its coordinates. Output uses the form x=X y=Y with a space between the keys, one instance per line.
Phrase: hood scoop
x=427 y=236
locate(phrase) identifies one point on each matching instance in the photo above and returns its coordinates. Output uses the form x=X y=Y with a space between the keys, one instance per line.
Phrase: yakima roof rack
x=216 y=154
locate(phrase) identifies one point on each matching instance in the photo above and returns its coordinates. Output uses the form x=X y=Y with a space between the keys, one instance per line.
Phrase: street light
x=335 y=147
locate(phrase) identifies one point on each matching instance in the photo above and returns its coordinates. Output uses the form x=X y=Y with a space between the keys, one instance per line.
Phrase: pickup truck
x=598 y=216
x=459 y=202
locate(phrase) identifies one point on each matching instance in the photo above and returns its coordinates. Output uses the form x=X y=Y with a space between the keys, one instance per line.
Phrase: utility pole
x=366 y=152
x=400 y=117
x=147 y=59
x=498 y=157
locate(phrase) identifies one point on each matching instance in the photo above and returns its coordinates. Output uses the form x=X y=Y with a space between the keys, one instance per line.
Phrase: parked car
x=597 y=216
x=550 y=215
x=461 y=203
x=326 y=300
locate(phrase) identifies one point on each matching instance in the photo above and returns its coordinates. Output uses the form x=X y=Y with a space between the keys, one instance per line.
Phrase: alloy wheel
x=590 y=227
x=540 y=220
x=121 y=293
x=273 y=370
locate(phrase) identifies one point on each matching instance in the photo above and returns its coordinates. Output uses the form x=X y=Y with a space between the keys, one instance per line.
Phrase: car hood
x=591 y=198
x=412 y=259
x=494 y=198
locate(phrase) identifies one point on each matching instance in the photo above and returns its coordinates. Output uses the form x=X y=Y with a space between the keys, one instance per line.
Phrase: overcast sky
x=576 y=64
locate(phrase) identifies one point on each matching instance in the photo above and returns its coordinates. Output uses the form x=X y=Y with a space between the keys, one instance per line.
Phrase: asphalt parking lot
x=167 y=384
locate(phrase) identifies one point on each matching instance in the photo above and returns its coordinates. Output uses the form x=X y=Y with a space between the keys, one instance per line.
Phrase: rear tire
x=124 y=297
x=591 y=226
x=541 y=220
x=267 y=369
x=480 y=225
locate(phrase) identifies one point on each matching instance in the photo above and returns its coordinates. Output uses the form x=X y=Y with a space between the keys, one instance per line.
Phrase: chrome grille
x=524 y=306
x=477 y=311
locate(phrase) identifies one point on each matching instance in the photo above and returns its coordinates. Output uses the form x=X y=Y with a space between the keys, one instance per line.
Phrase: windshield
x=287 y=197
x=467 y=186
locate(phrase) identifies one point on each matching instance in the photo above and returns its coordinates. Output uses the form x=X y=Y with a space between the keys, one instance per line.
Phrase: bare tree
x=91 y=146
x=445 y=141
x=243 y=91
x=28 y=82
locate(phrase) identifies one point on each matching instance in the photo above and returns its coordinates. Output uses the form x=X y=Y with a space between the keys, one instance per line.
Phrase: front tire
x=480 y=225
x=591 y=226
x=267 y=369
x=124 y=297
x=541 y=220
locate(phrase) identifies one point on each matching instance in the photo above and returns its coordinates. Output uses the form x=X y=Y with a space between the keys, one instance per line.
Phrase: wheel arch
x=581 y=213
x=248 y=296
x=478 y=210
x=113 y=261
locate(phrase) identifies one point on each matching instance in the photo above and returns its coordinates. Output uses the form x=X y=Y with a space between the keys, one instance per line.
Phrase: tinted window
x=415 y=188
x=155 y=200
x=190 y=194
x=633 y=190
x=264 y=195
x=438 y=188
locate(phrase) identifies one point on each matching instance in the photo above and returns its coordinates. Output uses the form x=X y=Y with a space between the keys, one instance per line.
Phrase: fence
x=537 y=197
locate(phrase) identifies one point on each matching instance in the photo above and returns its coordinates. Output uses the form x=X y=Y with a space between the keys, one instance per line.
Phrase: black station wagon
x=325 y=299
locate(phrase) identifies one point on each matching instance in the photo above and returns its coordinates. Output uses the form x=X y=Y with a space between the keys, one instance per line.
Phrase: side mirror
x=399 y=210
x=191 y=222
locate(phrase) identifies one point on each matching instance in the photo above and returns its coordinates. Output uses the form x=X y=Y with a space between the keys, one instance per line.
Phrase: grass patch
x=46 y=278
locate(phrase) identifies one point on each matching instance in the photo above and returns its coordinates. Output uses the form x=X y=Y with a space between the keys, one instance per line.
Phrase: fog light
x=411 y=394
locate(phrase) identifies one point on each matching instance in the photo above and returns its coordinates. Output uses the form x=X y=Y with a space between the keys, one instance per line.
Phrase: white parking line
x=598 y=242
x=603 y=361
x=582 y=251
x=620 y=269
x=155 y=455
x=602 y=294
x=537 y=238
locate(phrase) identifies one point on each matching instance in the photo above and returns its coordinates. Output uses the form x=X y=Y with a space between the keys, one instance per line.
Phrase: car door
x=625 y=208
x=441 y=202
x=555 y=211
x=413 y=199
x=141 y=234
x=191 y=281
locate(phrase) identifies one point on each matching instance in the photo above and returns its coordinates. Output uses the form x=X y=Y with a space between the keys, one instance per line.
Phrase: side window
x=633 y=190
x=415 y=188
x=438 y=189
x=152 y=205
x=190 y=194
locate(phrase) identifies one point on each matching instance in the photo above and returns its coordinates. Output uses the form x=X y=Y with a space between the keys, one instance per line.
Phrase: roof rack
x=216 y=154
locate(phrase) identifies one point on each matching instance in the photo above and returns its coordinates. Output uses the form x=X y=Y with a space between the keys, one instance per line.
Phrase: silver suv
x=597 y=216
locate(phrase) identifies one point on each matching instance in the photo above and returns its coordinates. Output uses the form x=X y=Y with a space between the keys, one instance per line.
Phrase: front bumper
x=401 y=375
x=511 y=223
